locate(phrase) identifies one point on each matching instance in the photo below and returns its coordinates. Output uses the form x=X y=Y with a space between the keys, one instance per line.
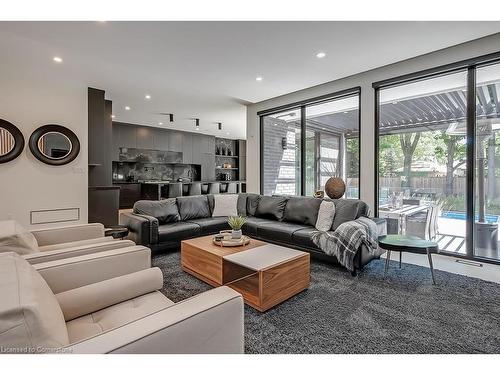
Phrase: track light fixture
x=219 y=125
x=171 y=116
x=197 y=122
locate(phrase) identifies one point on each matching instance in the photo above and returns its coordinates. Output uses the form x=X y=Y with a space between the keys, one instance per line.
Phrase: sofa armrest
x=94 y=297
x=72 y=273
x=211 y=322
x=52 y=236
x=69 y=252
x=143 y=229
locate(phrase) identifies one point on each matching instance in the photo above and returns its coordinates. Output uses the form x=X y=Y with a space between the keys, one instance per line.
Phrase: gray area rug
x=403 y=313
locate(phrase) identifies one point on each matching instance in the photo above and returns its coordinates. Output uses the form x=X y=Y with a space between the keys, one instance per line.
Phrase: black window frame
x=302 y=105
x=470 y=66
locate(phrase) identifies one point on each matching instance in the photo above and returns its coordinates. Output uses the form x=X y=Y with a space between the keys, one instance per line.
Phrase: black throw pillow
x=302 y=210
x=165 y=210
x=195 y=207
x=271 y=207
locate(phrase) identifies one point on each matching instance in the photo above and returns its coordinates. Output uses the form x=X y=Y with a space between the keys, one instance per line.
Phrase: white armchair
x=45 y=245
x=110 y=303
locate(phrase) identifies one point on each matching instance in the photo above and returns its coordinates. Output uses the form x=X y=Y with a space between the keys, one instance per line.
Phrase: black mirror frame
x=41 y=131
x=18 y=141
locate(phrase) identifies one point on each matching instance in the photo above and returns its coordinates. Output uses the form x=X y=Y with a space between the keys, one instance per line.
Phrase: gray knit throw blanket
x=346 y=240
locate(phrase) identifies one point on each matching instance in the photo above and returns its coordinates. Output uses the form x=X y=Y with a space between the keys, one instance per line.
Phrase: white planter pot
x=236 y=234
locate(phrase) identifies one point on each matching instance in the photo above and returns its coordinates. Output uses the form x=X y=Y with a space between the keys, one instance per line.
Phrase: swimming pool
x=461 y=216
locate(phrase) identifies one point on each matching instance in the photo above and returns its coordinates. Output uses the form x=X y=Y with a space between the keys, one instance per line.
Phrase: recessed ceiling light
x=259 y=79
x=147 y=97
x=160 y=123
x=57 y=59
x=113 y=116
x=127 y=108
x=320 y=55
x=227 y=133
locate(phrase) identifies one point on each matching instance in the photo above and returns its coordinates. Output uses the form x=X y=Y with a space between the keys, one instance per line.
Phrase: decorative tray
x=227 y=241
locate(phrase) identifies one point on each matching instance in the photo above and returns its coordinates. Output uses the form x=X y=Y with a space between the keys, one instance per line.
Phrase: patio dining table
x=400 y=213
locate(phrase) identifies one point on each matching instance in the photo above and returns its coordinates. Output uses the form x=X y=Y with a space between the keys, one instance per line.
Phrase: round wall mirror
x=54 y=144
x=11 y=141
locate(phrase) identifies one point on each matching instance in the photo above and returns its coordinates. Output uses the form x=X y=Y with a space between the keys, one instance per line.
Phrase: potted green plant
x=236 y=222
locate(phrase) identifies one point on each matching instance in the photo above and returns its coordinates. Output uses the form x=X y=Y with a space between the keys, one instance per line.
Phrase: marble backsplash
x=138 y=171
x=152 y=156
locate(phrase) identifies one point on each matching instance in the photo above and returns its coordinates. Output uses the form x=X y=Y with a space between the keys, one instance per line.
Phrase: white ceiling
x=208 y=69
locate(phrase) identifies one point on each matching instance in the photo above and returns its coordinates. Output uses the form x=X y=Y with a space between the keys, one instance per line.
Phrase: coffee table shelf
x=264 y=274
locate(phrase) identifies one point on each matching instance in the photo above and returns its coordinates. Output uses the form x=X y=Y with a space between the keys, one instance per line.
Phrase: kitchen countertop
x=166 y=183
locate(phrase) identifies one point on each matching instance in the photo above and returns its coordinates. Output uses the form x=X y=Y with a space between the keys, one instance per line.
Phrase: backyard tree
x=408 y=142
x=452 y=152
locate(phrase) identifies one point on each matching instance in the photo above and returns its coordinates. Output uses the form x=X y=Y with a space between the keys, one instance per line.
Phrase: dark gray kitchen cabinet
x=127 y=136
x=115 y=143
x=207 y=167
x=187 y=148
x=198 y=148
x=145 y=138
x=129 y=194
x=242 y=165
x=175 y=141
x=160 y=139
x=210 y=145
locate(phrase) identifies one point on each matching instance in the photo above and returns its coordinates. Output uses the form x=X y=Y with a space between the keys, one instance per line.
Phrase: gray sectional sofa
x=288 y=221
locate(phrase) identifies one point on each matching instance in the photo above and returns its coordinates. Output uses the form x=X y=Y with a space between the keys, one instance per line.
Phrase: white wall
x=35 y=93
x=464 y=51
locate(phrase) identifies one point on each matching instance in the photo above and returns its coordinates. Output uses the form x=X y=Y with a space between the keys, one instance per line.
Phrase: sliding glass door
x=438 y=157
x=422 y=159
x=301 y=148
x=487 y=163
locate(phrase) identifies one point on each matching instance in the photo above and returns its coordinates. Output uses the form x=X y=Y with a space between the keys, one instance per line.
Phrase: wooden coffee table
x=264 y=274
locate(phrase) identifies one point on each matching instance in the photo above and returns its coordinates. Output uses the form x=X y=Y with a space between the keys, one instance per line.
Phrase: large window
x=438 y=158
x=329 y=131
x=282 y=151
x=332 y=139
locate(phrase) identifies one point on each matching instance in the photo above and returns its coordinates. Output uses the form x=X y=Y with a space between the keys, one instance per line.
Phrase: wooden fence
x=432 y=184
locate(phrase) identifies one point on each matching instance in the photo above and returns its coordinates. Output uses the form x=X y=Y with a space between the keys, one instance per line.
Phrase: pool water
x=461 y=216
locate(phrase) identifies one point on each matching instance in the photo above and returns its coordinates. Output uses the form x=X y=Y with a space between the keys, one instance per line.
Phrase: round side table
x=409 y=244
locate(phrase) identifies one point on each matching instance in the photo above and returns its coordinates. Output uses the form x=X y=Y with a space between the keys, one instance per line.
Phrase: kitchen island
x=132 y=191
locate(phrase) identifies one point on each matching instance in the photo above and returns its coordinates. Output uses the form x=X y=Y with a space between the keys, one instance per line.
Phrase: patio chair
x=423 y=224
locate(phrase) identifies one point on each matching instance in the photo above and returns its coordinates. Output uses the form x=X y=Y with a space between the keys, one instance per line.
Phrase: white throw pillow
x=13 y=237
x=326 y=213
x=225 y=205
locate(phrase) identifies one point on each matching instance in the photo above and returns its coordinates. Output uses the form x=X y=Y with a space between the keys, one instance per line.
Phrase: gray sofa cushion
x=302 y=210
x=252 y=203
x=347 y=210
x=178 y=231
x=271 y=207
x=250 y=227
x=303 y=238
x=278 y=231
x=211 y=225
x=165 y=211
x=194 y=207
